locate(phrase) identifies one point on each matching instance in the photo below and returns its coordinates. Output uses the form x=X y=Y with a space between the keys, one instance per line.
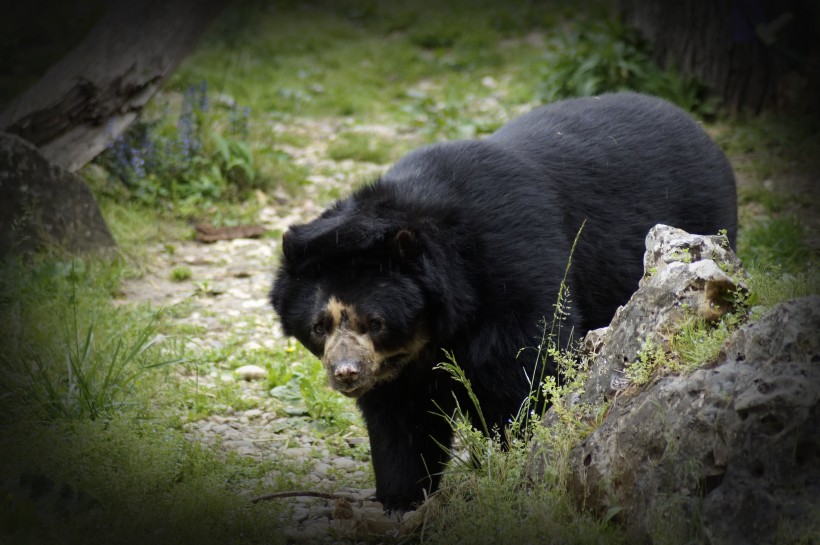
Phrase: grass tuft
x=360 y=147
x=181 y=274
x=778 y=241
x=70 y=353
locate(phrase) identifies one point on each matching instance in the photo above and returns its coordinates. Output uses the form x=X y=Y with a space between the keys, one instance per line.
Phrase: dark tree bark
x=749 y=52
x=89 y=97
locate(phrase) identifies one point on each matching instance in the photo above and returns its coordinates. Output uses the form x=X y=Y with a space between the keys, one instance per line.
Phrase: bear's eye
x=375 y=325
x=319 y=329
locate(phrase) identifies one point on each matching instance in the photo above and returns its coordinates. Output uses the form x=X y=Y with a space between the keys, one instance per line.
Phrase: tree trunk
x=749 y=52
x=89 y=97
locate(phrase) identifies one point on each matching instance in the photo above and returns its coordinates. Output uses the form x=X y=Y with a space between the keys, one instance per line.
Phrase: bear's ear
x=334 y=236
x=287 y=244
x=405 y=244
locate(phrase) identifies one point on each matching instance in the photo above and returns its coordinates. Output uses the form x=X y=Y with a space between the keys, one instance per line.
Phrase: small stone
x=321 y=512
x=252 y=345
x=367 y=493
x=204 y=425
x=315 y=529
x=253 y=413
x=237 y=443
x=198 y=260
x=297 y=452
x=251 y=372
x=344 y=463
x=300 y=513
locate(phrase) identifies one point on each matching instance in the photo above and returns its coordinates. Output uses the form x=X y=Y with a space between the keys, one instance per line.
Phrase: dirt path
x=225 y=304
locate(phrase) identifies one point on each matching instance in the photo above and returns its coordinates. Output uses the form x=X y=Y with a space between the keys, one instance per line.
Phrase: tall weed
x=69 y=352
x=489 y=477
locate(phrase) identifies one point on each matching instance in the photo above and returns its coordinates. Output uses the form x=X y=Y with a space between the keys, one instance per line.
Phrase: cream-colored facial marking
x=336 y=309
x=352 y=362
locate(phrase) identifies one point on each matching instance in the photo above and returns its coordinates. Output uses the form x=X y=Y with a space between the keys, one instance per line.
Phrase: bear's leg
x=409 y=444
x=518 y=405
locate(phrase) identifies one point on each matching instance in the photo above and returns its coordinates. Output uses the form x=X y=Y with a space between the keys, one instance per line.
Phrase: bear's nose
x=347 y=370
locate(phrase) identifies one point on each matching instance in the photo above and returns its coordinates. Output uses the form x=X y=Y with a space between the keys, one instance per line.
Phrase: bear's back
x=619 y=162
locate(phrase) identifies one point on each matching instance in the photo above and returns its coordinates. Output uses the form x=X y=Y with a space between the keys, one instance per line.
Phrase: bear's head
x=368 y=291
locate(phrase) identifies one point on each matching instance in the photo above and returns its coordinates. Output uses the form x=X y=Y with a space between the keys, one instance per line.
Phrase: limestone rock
x=43 y=205
x=685 y=275
x=729 y=453
x=735 y=445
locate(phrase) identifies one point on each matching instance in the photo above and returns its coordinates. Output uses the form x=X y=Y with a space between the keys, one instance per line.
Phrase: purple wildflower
x=203 y=96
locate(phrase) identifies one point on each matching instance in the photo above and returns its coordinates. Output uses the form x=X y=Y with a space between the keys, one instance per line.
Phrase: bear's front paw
x=395 y=514
x=396 y=505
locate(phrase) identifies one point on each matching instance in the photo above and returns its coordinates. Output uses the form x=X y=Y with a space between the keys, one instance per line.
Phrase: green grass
x=181 y=274
x=777 y=241
x=329 y=60
x=650 y=359
x=133 y=481
x=770 y=285
x=771 y=145
x=496 y=504
x=490 y=498
x=93 y=402
x=70 y=353
x=373 y=61
x=360 y=147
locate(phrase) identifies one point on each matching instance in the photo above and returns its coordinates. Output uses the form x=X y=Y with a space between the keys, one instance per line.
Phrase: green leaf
x=222 y=146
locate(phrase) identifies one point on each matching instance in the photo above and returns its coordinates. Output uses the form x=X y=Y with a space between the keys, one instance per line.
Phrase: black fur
x=469 y=240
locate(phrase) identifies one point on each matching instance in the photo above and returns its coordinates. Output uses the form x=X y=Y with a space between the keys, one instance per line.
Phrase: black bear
x=462 y=246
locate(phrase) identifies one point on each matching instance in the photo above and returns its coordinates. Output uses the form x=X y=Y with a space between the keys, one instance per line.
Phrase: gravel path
x=226 y=303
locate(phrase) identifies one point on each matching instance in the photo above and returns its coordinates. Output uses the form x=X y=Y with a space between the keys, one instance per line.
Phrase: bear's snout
x=347 y=370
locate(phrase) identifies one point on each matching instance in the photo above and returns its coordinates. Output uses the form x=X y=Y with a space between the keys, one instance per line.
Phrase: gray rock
x=729 y=453
x=300 y=514
x=771 y=448
x=297 y=452
x=666 y=245
x=251 y=372
x=253 y=413
x=320 y=469
x=681 y=279
x=321 y=511
x=221 y=428
x=312 y=531
x=42 y=205
x=735 y=446
x=237 y=444
x=344 y=463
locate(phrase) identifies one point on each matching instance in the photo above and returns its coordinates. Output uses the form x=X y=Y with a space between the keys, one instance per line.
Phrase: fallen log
x=93 y=94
